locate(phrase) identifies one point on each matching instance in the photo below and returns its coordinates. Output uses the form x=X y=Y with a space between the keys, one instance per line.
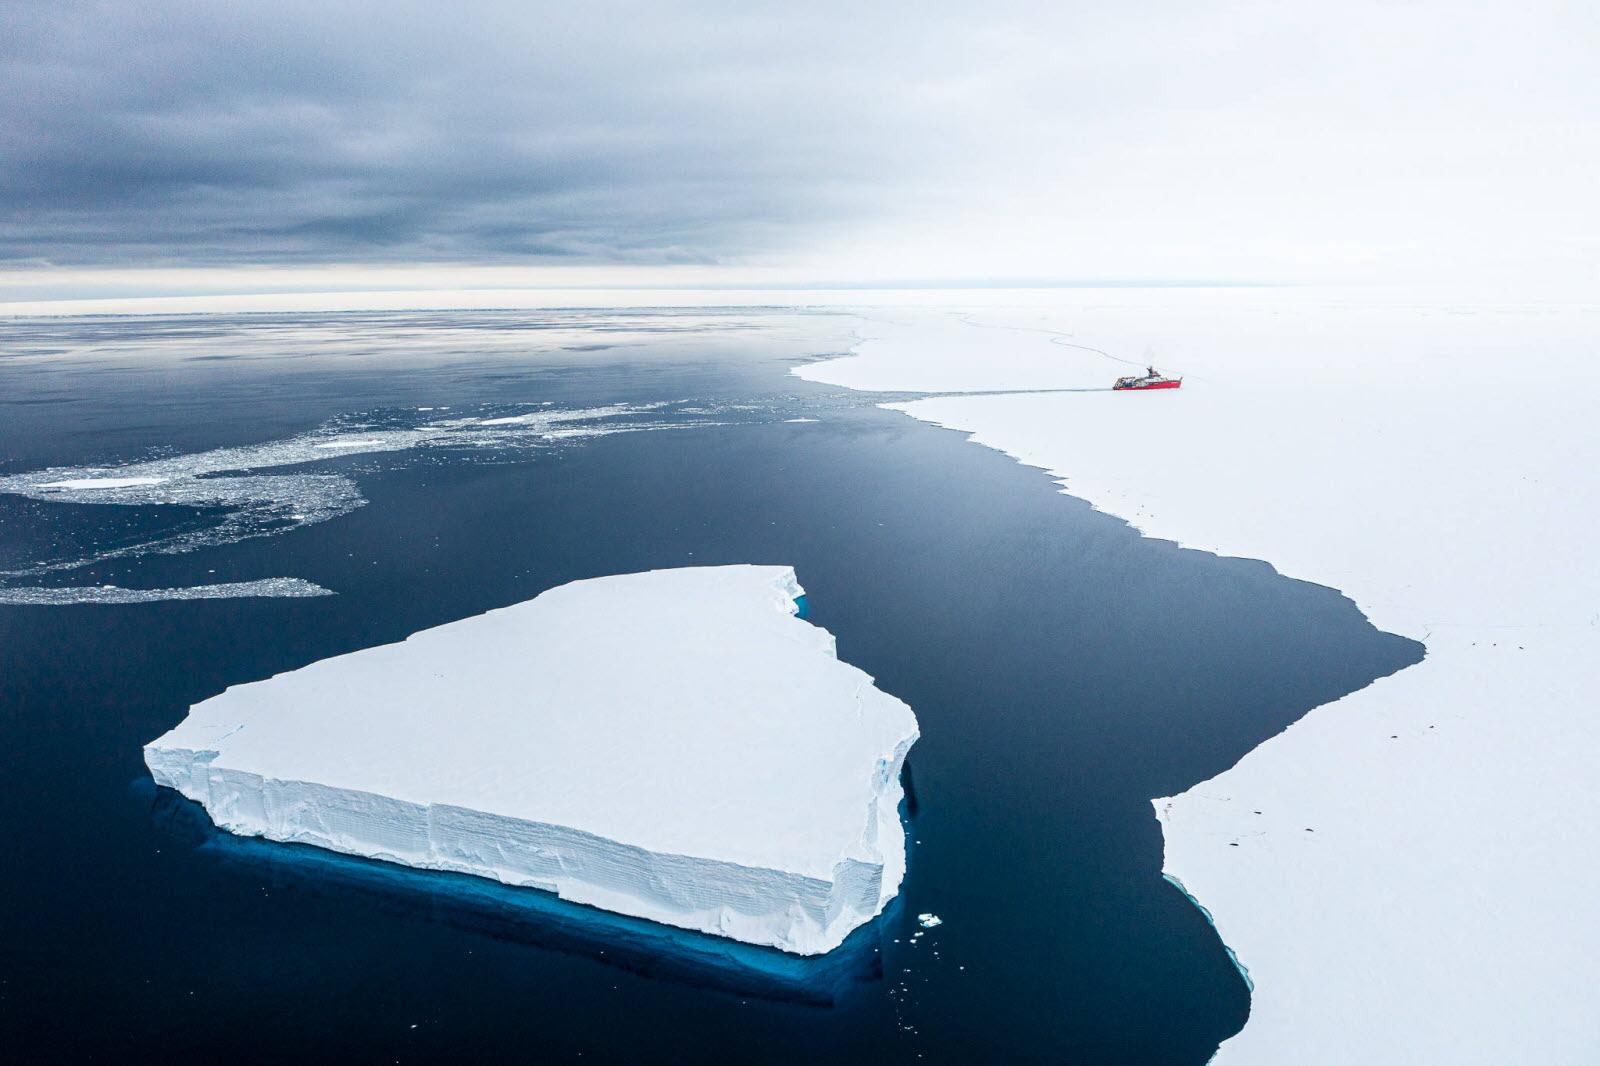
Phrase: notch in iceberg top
x=677 y=745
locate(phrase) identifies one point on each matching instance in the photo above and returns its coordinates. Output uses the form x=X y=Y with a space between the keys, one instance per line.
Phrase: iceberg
x=675 y=745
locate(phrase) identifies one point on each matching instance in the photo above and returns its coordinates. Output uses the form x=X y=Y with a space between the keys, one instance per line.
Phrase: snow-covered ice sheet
x=908 y=351
x=674 y=745
x=1406 y=874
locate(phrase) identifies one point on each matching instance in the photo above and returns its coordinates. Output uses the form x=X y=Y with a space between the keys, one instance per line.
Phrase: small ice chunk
x=102 y=482
x=279 y=587
x=928 y=921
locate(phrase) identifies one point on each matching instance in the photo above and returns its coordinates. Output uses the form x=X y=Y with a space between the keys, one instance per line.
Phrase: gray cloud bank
x=201 y=133
x=902 y=140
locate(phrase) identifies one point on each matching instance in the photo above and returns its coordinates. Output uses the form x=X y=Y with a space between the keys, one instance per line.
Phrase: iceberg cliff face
x=674 y=745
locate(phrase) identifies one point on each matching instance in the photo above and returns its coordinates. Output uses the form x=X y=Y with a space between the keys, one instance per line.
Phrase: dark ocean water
x=1064 y=669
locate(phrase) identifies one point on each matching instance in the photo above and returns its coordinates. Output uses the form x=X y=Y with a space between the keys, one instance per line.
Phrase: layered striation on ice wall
x=675 y=745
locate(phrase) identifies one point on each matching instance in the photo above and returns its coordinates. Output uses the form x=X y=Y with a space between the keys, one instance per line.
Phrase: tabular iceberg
x=675 y=745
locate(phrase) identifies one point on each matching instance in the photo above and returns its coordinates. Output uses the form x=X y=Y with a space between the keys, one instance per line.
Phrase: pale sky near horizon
x=190 y=147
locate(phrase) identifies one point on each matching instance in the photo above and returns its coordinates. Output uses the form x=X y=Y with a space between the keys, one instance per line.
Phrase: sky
x=192 y=147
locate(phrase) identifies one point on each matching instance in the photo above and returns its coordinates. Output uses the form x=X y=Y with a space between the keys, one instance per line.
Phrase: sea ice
x=260 y=490
x=1437 y=466
x=675 y=745
x=273 y=587
x=102 y=482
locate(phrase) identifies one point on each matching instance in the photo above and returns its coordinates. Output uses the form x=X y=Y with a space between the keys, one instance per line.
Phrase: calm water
x=1064 y=669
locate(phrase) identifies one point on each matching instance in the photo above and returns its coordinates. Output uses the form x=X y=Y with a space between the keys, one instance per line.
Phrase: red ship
x=1151 y=379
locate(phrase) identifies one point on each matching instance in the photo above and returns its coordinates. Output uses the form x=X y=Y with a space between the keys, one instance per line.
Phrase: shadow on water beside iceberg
x=531 y=916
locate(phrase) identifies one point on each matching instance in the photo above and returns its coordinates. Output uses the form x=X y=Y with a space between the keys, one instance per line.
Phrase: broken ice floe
x=292 y=587
x=254 y=494
x=928 y=921
x=102 y=483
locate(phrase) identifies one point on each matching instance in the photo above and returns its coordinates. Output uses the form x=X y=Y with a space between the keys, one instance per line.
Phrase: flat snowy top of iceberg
x=686 y=711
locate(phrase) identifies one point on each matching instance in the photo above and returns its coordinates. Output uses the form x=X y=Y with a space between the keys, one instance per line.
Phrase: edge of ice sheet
x=1401 y=870
x=675 y=745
